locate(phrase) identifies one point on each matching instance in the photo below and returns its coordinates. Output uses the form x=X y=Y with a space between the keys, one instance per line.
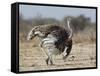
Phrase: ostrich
x=55 y=39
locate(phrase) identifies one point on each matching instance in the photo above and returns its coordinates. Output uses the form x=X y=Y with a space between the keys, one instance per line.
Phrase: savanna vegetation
x=83 y=53
x=83 y=28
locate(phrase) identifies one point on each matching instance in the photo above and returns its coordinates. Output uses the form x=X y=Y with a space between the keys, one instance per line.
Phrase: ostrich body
x=55 y=39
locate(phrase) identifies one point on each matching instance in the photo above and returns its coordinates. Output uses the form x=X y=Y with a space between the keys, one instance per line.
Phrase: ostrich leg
x=49 y=60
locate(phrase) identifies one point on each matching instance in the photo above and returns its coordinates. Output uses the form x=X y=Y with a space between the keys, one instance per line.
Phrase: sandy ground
x=32 y=58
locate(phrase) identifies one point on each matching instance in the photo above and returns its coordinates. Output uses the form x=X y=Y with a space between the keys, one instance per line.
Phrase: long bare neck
x=71 y=32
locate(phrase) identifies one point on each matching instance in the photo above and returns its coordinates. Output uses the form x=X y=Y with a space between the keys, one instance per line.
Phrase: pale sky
x=31 y=11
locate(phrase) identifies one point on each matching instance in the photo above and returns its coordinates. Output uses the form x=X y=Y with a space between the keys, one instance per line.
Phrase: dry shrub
x=22 y=37
x=88 y=35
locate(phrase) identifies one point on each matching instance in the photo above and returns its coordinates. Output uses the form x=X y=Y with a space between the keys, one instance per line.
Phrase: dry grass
x=83 y=53
x=32 y=58
x=85 y=36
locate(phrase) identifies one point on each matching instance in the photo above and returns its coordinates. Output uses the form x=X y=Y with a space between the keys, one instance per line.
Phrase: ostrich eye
x=43 y=33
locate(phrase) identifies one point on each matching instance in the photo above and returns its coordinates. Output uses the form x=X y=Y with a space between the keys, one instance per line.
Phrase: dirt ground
x=32 y=58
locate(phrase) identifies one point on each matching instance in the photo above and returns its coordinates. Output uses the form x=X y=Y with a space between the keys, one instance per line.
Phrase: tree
x=78 y=23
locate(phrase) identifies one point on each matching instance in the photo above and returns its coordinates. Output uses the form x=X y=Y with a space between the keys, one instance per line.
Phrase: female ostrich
x=55 y=39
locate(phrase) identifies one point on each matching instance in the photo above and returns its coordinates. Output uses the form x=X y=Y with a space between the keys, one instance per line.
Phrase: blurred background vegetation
x=83 y=28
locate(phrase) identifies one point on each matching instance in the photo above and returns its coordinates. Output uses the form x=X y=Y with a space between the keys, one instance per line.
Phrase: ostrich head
x=34 y=32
